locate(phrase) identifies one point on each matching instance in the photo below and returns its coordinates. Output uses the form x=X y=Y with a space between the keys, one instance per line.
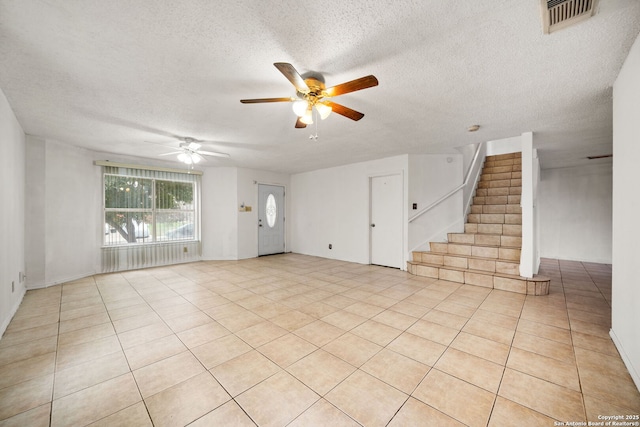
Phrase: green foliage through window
x=147 y=210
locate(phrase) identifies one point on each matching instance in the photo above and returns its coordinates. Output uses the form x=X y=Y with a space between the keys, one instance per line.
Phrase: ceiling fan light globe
x=307 y=119
x=300 y=107
x=182 y=157
x=323 y=110
x=195 y=157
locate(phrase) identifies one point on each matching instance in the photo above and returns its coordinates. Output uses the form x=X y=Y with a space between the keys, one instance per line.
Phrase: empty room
x=319 y=214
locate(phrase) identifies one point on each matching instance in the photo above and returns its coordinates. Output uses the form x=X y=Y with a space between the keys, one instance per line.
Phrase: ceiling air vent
x=558 y=14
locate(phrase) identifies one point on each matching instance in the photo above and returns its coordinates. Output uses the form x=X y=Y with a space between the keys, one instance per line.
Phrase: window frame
x=153 y=211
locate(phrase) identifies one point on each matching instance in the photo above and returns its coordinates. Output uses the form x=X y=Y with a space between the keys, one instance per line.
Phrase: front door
x=270 y=219
x=386 y=220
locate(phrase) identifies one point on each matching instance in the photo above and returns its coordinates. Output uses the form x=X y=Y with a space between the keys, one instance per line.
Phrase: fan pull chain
x=315 y=119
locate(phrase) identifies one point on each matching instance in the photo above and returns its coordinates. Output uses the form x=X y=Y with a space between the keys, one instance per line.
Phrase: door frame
x=257 y=217
x=403 y=190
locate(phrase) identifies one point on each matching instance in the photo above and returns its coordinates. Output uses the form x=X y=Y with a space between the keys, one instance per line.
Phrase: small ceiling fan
x=311 y=92
x=190 y=152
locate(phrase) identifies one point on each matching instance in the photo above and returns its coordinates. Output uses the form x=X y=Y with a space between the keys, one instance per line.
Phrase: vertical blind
x=151 y=217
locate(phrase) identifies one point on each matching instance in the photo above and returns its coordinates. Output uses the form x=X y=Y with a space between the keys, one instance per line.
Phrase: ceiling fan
x=190 y=152
x=311 y=92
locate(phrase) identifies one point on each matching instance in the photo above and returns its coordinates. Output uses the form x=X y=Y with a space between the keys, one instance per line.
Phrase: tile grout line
x=55 y=362
x=122 y=349
x=183 y=343
x=497 y=394
x=573 y=347
x=362 y=285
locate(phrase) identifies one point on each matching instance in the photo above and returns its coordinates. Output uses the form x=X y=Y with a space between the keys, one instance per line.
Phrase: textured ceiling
x=127 y=77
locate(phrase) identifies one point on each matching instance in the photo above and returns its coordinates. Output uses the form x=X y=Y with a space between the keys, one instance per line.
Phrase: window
x=271 y=211
x=149 y=206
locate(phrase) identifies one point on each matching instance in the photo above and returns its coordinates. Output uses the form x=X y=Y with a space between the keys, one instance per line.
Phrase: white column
x=527 y=267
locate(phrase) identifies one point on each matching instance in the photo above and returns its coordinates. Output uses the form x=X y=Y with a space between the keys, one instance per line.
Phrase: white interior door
x=386 y=221
x=270 y=219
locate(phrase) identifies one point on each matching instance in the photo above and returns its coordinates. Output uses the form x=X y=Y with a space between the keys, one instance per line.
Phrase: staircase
x=488 y=252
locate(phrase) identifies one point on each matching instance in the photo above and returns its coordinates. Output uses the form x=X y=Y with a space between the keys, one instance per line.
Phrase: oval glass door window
x=271 y=211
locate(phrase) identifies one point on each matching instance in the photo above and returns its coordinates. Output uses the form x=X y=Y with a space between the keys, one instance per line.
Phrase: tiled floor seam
x=142 y=399
x=232 y=398
x=573 y=346
x=596 y=285
x=497 y=394
x=439 y=357
x=55 y=362
x=461 y=326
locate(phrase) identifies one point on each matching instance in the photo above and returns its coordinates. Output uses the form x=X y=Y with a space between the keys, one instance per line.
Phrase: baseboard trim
x=635 y=376
x=14 y=310
x=32 y=286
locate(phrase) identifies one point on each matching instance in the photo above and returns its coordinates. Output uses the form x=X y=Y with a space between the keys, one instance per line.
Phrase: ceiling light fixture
x=307 y=117
x=300 y=107
x=310 y=87
x=323 y=110
x=303 y=108
x=190 y=153
x=188 y=157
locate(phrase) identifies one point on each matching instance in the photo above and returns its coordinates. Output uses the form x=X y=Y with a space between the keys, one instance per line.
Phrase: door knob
x=373 y=225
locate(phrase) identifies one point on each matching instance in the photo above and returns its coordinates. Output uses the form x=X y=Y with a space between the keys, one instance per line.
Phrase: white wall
x=432 y=176
x=574 y=208
x=36 y=235
x=228 y=233
x=626 y=205
x=73 y=213
x=468 y=153
x=504 y=146
x=12 y=219
x=219 y=213
x=529 y=257
x=64 y=204
x=331 y=206
x=63 y=208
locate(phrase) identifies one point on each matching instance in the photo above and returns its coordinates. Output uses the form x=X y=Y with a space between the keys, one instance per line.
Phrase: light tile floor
x=303 y=341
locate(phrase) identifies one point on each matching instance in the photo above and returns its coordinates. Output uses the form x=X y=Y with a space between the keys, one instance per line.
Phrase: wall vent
x=559 y=14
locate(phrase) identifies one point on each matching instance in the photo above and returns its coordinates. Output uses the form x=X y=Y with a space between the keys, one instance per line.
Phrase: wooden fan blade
x=299 y=124
x=293 y=76
x=344 y=111
x=259 y=100
x=213 y=153
x=352 y=86
x=169 y=154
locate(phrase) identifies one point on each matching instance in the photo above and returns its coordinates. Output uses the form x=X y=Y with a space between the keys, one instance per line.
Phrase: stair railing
x=474 y=170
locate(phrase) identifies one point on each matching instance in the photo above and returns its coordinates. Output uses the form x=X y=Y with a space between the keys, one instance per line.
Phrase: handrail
x=454 y=191
x=436 y=203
